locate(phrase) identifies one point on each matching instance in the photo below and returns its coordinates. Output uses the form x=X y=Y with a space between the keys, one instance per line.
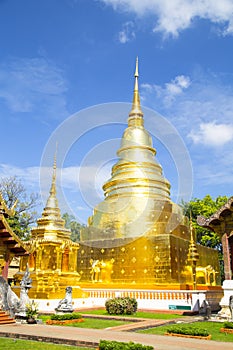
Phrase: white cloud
x=203 y=112
x=127 y=33
x=33 y=85
x=29 y=175
x=171 y=17
x=87 y=179
x=212 y=134
x=176 y=86
x=170 y=91
x=206 y=98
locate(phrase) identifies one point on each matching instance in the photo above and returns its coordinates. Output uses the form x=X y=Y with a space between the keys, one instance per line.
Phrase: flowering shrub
x=121 y=306
x=114 y=345
x=32 y=309
x=73 y=316
x=228 y=325
x=187 y=330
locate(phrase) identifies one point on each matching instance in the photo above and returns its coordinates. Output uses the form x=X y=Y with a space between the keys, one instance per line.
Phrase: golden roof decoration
x=51 y=225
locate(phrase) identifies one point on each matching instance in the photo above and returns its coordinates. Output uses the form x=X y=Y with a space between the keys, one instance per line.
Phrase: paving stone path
x=91 y=337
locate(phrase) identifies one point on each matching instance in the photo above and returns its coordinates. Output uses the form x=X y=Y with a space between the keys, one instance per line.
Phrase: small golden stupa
x=137 y=237
x=53 y=256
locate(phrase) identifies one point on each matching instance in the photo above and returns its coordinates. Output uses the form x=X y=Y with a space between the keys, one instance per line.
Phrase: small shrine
x=53 y=255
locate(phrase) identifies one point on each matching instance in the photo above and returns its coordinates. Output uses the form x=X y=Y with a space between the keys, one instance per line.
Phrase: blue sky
x=70 y=61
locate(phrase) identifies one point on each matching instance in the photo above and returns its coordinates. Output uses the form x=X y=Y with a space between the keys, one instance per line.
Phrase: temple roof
x=4 y=209
x=10 y=240
x=215 y=221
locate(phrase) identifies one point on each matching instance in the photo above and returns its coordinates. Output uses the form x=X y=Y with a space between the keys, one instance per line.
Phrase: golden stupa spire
x=52 y=199
x=136 y=106
x=191 y=228
x=53 y=185
x=136 y=152
x=51 y=224
x=193 y=255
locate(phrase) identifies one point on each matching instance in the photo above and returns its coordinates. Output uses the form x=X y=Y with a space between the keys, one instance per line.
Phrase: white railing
x=140 y=294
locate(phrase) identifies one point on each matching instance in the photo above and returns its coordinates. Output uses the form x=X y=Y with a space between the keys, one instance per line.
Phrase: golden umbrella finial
x=53 y=185
x=136 y=107
x=52 y=199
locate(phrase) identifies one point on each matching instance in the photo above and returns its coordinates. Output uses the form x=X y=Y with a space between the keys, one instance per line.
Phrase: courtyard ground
x=91 y=337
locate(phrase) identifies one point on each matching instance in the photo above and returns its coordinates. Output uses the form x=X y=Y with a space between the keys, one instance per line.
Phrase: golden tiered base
x=51 y=285
x=155 y=262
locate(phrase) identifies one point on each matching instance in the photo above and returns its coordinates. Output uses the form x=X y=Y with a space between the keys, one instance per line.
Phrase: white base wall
x=224 y=303
x=192 y=301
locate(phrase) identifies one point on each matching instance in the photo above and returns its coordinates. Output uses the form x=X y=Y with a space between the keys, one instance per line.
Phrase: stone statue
x=65 y=305
x=25 y=285
x=231 y=306
x=26 y=280
x=9 y=300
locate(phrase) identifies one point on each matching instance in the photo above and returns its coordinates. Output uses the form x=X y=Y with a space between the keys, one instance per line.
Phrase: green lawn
x=139 y=314
x=97 y=324
x=17 y=344
x=212 y=327
x=91 y=323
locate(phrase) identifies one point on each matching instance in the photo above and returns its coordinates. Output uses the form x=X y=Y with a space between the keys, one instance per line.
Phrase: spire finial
x=136 y=107
x=53 y=185
x=191 y=226
x=51 y=224
x=52 y=200
x=136 y=68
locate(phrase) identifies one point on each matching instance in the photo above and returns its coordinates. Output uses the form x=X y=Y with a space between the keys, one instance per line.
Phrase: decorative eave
x=217 y=218
x=13 y=243
x=33 y=244
x=4 y=210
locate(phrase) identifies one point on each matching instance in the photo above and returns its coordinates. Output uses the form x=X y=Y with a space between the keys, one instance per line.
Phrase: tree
x=15 y=194
x=205 y=207
x=73 y=225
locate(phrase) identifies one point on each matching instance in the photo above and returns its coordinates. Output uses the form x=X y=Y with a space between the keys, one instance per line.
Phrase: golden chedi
x=137 y=237
x=53 y=256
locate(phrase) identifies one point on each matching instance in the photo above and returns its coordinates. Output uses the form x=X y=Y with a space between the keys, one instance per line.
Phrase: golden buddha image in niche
x=101 y=270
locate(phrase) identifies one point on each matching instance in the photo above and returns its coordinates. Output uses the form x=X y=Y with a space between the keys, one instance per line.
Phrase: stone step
x=7 y=321
x=5 y=318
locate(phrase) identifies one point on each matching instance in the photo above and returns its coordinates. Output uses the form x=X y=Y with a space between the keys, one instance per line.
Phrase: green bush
x=228 y=325
x=121 y=306
x=73 y=316
x=187 y=330
x=114 y=345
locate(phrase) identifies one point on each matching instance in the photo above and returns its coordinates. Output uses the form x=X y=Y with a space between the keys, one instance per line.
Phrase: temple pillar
x=230 y=243
x=65 y=261
x=31 y=262
x=5 y=267
x=59 y=258
x=38 y=258
x=226 y=257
